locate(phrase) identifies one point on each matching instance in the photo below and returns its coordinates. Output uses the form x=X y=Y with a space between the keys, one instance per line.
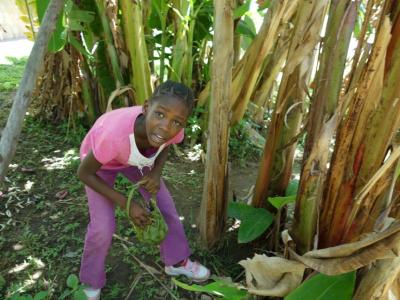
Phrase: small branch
x=145 y=267
x=133 y=285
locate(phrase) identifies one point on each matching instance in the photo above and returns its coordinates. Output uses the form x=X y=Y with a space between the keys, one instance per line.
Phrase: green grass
x=11 y=74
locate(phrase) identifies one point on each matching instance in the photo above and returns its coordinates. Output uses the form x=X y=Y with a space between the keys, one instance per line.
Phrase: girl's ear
x=145 y=107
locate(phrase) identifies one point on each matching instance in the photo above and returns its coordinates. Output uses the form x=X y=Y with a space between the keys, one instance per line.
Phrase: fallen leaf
x=62 y=194
x=27 y=170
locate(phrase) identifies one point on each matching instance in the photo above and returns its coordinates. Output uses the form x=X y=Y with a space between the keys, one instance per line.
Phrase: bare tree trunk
x=214 y=203
x=23 y=97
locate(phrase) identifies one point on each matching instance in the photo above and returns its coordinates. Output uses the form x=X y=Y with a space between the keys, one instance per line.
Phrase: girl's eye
x=160 y=114
x=177 y=124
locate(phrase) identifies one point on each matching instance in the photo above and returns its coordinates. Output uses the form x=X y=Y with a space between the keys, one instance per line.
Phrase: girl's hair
x=175 y=89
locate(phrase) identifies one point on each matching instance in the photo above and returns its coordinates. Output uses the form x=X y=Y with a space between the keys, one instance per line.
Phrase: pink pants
x=101 y=227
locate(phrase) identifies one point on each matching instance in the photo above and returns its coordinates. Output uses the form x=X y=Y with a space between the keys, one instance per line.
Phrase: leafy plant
x=240 y=144
x=218 y=288
x=291 y=193
x=324 y=287
x=10 y=75
x=39 y=296
x=292 y=188
x=153 y=233
x=254 y=221
x=279 y=202
x=75 y=289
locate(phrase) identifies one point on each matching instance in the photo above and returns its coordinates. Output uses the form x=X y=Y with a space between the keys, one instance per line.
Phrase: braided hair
x=176 y=90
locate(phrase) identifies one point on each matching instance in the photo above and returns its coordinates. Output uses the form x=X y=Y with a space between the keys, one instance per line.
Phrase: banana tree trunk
x=248 y=69
x=214 y=202
x=365 y=138
x=116 y=69
x=322 y=121
x=291 y=90
x=134 y=39
x=182 y=10
x=376 y=283
x=246 y=76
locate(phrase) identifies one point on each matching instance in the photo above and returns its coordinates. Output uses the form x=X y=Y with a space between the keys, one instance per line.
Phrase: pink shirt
x=109 y=141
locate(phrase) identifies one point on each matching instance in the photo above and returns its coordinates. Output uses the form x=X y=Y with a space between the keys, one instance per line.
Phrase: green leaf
x=292 y=188
x=72 y=281
x=2 y=282
x=324 y=287
x=218 y=288
x=75 y=25
x=241 y=10
x=103 y=73
x=238 y=210
x=279 y=202
x=254 y=221
x=80 y=15
x=79 y=295
x=65 y=294
x=59 y=36
x=253 y=226
x=244 y=28
x=41 y=295
x=78 y=46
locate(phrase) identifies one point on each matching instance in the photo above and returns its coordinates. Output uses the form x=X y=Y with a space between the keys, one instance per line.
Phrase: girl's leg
x=99 y=234
x=175 y=247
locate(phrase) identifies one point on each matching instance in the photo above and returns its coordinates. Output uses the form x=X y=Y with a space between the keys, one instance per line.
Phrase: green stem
x=135 y=41
x=110 y=44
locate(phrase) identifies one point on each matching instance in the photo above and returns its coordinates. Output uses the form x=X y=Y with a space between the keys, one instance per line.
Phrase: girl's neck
x=139 y=130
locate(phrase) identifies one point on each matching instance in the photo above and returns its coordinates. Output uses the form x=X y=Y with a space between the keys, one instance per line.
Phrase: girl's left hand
x=151 y=182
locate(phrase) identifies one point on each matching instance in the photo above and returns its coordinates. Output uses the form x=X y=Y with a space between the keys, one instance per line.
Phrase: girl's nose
x=165 y=125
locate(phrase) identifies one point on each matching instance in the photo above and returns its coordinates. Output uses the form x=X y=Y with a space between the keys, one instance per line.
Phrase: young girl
x=134 y=141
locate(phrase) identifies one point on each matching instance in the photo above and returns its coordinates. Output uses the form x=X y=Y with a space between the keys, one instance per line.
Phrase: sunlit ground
x=15 y=48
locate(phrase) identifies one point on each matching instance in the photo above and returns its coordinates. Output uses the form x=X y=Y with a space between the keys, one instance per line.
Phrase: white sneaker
x=193 y=270
x=92 y=294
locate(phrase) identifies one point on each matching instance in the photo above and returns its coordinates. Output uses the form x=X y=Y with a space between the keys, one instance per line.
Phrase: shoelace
x=192 y=266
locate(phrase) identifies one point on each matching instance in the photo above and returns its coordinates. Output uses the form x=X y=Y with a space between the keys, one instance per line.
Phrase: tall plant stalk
x=135 y=41
x=117 y=73
x=291 y=90
x=365 y=137
x=214 y=202
x=322 y=122
x=248 y=70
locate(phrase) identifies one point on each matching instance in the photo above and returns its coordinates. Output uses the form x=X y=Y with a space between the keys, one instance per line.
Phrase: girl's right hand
x=139 y=215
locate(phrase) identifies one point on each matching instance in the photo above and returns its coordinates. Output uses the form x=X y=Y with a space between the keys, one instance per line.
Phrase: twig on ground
x=146 y=267
x=133 y=285
x=240 y=275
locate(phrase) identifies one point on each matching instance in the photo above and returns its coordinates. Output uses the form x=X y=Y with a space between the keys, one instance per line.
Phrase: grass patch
x=11 y=74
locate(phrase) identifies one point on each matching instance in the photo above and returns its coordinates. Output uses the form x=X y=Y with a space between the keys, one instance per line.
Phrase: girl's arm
x=87 y=173
x=151 y=182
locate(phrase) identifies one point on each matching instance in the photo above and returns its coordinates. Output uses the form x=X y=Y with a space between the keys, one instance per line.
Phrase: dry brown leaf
x=62 y=194
x=352 y=256
x=272 y=276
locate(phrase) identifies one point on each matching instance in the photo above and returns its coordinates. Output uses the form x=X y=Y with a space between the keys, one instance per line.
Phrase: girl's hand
x=139 y=215
x=151 y=182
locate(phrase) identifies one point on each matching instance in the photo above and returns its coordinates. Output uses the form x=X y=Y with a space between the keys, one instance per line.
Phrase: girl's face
x=165 y=117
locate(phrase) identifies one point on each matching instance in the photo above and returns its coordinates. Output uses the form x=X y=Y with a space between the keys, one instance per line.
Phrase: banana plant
x=29 y=17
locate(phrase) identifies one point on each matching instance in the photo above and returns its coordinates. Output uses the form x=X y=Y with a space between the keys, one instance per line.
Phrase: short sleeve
x=178 y=138
x=104 y=145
